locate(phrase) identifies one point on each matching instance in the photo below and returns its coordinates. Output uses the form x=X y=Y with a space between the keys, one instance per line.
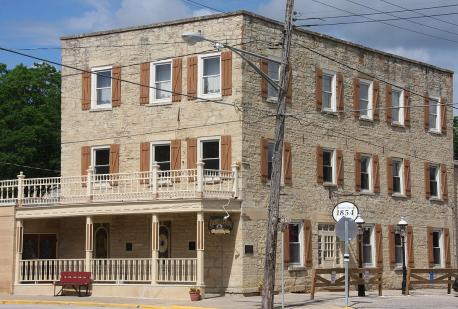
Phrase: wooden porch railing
x=138 y=186
x=431 y=276
x=121 y=270
x=47 y=270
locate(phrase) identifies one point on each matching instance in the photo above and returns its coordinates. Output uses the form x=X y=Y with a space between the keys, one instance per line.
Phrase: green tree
x=29 y=121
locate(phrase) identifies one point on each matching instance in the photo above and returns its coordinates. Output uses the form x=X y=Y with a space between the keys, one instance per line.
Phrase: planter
x=195 y=296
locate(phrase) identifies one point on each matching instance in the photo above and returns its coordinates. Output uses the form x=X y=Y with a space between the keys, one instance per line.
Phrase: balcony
x=196 y=183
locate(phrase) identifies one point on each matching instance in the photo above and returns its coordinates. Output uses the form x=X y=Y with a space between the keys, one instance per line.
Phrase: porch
x=166 y=250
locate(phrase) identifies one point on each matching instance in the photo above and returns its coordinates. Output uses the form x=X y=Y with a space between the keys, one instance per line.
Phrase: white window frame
x=333 y=165
x=438 y=127
x=200 y=76
x=282 y=180
x=372 y=244
x=100 y=182
x=369 y=172
x=200 y=148
x=441 y=247
x=301 y=243
x=333 y=91
x=438 y=179
x=370 y=109
x=153 y=100
x=401 y=106
x=401 y=176
x=273 y=99
x=94 y=104
x=337 y=260
x=159 y=143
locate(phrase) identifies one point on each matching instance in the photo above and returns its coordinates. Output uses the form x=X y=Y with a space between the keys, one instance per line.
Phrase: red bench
x=74 y=279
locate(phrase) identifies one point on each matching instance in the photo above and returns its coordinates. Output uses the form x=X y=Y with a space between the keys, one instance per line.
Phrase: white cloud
x=420 y=54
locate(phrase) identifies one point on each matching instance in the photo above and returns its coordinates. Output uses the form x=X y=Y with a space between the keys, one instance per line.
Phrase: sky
x=38 y=24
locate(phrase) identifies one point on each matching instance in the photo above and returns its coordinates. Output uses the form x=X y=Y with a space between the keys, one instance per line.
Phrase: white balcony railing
x=177 y=270
x=47 y=270
x=121 y=270
x=155 y=184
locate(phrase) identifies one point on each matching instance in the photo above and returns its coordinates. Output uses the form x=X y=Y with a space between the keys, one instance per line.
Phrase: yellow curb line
x=189 y=307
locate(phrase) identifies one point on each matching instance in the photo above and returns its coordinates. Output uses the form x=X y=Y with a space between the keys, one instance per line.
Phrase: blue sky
x=39 y=23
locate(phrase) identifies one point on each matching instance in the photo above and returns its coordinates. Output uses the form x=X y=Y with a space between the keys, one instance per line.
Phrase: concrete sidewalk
x=427 y=298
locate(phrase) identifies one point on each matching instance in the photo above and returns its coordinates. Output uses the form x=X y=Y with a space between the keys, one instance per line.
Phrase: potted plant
x=194 y=293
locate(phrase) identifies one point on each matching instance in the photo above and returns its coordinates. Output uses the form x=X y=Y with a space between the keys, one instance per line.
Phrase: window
x=397 y=176
x=210 y=154
x=434 y=180
x=397 y=102
x=437 y=246
x=270 y=156
x=162 y=81
x=398 y=248
x=366 y=181
x=210 y=81
x=295 y=237
x=368 y=252
x=161 y=155
x=329 y=253
x=434 y=109
x=101 y=87
x=329 y=93
x=365 y=100
x=101 y=160
x=328 y=166
x=273 y=71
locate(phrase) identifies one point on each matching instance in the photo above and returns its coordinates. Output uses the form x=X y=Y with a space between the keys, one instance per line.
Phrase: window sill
x=366 y=119
x=371 y=193
x=272 y=100
x=330 y=112
x=101 y=109
x=159 y=103
x=436 y=199
x=398 y=125
x=330 y=184
x=296 y=268
x=399 y=195
x=204 y=98
x=434 y=132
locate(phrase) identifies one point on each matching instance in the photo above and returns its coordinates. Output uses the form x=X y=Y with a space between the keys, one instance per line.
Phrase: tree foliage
x=29 y=121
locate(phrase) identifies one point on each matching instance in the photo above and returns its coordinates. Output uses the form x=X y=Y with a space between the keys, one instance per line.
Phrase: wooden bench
x=74 y=279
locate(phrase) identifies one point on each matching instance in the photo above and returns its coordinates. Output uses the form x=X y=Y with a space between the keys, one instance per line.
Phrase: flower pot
x=194 y=296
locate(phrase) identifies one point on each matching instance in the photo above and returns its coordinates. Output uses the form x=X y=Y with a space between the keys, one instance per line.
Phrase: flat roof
x=253 y=15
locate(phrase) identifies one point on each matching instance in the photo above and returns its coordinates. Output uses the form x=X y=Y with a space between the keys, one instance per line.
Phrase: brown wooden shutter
x=389 y=175
x=177 y=77
x=144 y=82
x=264 y=67
x=340 y=92
x=288 y=164
x=319 y=164
x=427 y=180
x=264 y=159
x=85 y=159
x=144 y=160
x=429 y=231
x=286 y=246
x=444 y=185
x=318 y=88
x=356 y=87
x=114 y=158
x=192 y=77
x=357 y=172
x=447 y=256
x=388 y=103
x=226 y=73
x=86 y=91
x=426 y=111
x=289 y=92
x=116 y=86
x=191 y=153
x=340 y=167
x=376 y=173
x=226 y=153
x=392 y=245
x=407 y=181
x=443 y=106
x=175 y=148
x=376 y=99
x=308 y=257
x=410 y=248
x=379 y=245
x=407 y=108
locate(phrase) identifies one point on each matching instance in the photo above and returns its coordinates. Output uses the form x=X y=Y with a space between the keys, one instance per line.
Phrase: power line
x=371 y=14
x=389 y=24
x=29 y=167
x=195 y=3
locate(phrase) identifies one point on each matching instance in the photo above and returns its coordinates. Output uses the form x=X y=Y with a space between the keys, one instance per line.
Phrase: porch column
x=154 y=248
x=19 y=240
x=89 y=243
x=200 y=249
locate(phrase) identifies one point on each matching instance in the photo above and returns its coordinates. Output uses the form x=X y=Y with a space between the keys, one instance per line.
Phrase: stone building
x=166 y=160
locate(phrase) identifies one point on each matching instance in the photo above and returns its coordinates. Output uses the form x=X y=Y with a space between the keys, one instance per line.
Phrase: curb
x=92 y=304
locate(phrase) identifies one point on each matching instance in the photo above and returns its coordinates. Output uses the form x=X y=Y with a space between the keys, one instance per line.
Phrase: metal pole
x=346 y=258
x=404 y=269
x=361 y=287
x=282 y=269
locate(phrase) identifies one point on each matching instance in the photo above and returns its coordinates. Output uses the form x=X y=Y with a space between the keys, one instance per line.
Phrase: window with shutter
x=209 y=81
x=340 y=167
x=264 y=67
x=116 y=89
x=226 y=153
x=331 y=90
x=427 y=180
x=192 y=77
x=296 y=246
x=443 y=121
x=175 y=148
x=161 y=81
x=85 y=159
x=397 y=107
x=101 y=88
x=407 y=181
x=378 y=245
x=389 y=175
x=177 y=71
x=307 y=249
x=357 y=172
x=144 y=83
x=356 y=93
x=375 y=99
x=443 y=181
x=394 y=241
x=286 y=247
x=226 y=64
x=288 y=164
x=144 y=161
x=426 y=110
x=447 y=256
x=389 y=103
x=319 y=88
x=114 y=159
x=376 y=173
x=365 y=104
x=410 y=247
x=319 y=165
x=406 y=108
x=340 y=99
x=191 y=153
x=161 y=155
x=435 y=111
x=86 y=91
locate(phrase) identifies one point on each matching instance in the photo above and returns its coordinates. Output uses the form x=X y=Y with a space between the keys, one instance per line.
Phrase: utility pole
x=273 y=216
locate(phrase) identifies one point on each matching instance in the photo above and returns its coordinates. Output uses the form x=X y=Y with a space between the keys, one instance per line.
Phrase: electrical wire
x=195 y=3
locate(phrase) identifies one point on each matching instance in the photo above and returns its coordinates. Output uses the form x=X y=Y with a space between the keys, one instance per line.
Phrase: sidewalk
x=427 y=298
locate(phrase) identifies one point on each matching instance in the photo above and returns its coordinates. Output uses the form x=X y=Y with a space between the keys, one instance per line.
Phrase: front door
x=101 y=240
x=164 y=239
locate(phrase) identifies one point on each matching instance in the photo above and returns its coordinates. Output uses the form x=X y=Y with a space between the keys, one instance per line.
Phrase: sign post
x=345 y=214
